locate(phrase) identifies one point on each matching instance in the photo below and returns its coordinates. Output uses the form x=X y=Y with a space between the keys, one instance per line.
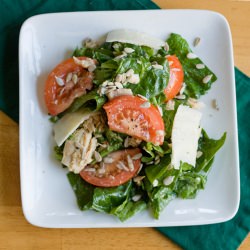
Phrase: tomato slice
x=60 y=97
x=175 y=79
x=130 y=115
x=115 y=173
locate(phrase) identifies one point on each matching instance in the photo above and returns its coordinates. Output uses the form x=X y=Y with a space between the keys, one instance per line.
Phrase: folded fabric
x=220 y=236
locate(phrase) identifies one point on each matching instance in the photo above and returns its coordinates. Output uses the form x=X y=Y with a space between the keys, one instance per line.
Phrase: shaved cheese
x=134 y=37
x=185 y=135
x=69 y=123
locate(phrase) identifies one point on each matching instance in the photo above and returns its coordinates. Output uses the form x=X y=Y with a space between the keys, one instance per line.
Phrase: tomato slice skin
x=59 y=98
x=126 y=114
x=176 y=77
x=113 y=175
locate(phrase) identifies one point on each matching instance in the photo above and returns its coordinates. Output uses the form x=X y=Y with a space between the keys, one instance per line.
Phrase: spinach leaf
x=83 y=191
x=100 y=54
x=152 y=80
x=208 y=166
x=114 y=142
x=159 y=199
x=158 y=171
x=132 y=63
x=139 y=51
x=106 y=71
x=168 y=119
x=101 y=75
x=91 y=99
x=129 y=209
x=58 y=152
x=105 y=199
x=161 y=195
x=114 y=137
x=152 y=150
x=208 y=147
x=115 y=200
x=192 y=76
x=188 y=184
x=54 y=119
x=110 y=148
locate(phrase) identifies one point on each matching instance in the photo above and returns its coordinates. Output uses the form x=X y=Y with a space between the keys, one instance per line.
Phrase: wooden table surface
x=17 y=233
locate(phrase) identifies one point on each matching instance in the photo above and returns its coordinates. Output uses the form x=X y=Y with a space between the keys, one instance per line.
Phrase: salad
x=127 y=122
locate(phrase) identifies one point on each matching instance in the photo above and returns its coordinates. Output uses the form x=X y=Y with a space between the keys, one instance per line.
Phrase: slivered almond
x=136 y=197
x=137 y=156
x=69 y=77
x=155 y=183
x=207 y=78
x=166 y=47
x=118 y=92
x=130 y=163
x=199 y=154
x=159 y=109
x=160 y=132
x=128 y=50
x=59 y=81
x=168 y=180
x=200 y=66
x=90 y=169
x=122 y=166
x=196 y=41
x=180 y=97
x=157 y=66
x=108 y=160
x=145 y=105
x=142 y=97
x=170 y=105
x=74 y=78
x=98 y=157
x=191 y=55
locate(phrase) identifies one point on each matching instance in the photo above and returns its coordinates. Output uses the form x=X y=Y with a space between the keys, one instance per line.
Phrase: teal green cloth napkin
x=226 y=235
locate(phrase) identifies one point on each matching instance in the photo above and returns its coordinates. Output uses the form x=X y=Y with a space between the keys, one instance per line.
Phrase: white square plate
x=45 y=40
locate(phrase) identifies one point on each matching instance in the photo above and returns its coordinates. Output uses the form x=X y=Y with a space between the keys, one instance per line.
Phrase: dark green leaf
x=110 y=149
x=114 y=137
x=91 y=100
x=192 y=76
x=159 y=171
x=54 y=119
x=188 y=184
x=208 y=166
x=139 y=51
x=58 y=151
x=114 y=142
x=152 y=81
x=160 y=198
x=83 y=191
x=105 y=72
x=129 y=209
x=132 y=63
x=105 y=199
x=208 y=147
x=100 y=54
